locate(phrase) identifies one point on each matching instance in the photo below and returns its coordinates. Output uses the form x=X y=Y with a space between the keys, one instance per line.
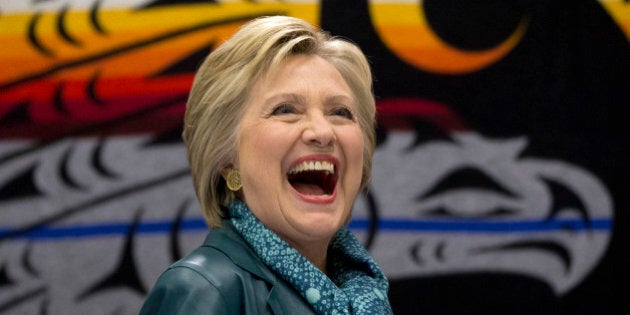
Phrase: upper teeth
x=313 y=166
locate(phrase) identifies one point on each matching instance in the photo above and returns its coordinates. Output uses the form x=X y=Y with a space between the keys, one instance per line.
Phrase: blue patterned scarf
x=356 y=284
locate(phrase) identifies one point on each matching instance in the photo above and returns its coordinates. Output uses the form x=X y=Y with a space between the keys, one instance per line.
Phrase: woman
x=279 y=128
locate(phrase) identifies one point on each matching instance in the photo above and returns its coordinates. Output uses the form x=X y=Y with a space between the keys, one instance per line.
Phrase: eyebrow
x=337 y=99
x=285 y=97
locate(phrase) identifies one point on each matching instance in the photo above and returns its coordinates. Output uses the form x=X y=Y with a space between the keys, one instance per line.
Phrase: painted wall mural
x=500 y=185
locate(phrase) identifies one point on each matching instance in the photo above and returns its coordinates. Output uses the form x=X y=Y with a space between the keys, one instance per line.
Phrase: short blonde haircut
x=221 y=89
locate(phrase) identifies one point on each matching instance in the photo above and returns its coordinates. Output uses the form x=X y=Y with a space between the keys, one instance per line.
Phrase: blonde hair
x=221 y=89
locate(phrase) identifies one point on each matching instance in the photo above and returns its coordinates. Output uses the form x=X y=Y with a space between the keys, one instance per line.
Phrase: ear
x=226 y=170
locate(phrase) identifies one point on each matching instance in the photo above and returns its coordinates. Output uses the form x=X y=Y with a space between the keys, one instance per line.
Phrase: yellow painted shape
x=120 y=52
x=620 y=12
x=404 y=30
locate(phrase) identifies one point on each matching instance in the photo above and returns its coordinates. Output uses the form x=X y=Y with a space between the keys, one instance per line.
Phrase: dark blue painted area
x=386 y=225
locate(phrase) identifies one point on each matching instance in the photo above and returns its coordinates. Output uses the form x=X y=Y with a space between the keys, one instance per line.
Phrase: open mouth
x=316 y=178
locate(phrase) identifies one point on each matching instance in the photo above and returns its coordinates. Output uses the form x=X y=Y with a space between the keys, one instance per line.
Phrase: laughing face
x=300 y=150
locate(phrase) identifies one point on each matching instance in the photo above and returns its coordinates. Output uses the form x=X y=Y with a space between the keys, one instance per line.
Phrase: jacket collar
x=227 y=240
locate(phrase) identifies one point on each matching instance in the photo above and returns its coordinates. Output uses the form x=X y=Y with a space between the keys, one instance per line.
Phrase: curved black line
x=564 y=198
x=494 y=213
x=176 y=253
x=33 y=38
x=5 y=280
x=131 y=47
x=121 y=193
x=97 y=160
x=21 y=185
x=94 y=20
x=466 y=177
x=64 y=171
x=11 y=303
x=19 y=113
x=125 y=274
x=439 y=251
x=91 y=90
x=97 y=127
x=373 y=219
x=58 y=102
x=548 y=246
x=61 y=27
x=161 y=3
x=26 y=261
x=43 y=308
x=415 y=253
x=186 y=64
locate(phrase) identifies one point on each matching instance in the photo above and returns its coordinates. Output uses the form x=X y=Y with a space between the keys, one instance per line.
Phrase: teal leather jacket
x=223 y=276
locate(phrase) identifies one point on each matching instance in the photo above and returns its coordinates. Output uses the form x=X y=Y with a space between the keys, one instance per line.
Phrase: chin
x=320 y=225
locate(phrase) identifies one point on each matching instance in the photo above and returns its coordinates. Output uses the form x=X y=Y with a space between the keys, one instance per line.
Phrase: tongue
x=308 y=189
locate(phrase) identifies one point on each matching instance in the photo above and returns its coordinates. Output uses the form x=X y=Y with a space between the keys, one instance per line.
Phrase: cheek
x=353 y=149
x=260 y=150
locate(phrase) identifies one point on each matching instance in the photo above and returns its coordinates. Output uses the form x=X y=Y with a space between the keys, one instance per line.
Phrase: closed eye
x=283 y=109
x=343 y=112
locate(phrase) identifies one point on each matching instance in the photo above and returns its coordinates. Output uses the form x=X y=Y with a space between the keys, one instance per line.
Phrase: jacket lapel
x=282 y=298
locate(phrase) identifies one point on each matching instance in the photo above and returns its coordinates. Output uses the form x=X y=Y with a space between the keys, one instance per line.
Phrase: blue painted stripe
x=485 y=226
x=385 y=226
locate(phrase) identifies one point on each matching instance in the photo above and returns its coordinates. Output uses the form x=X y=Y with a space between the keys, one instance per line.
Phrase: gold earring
x=233 y=180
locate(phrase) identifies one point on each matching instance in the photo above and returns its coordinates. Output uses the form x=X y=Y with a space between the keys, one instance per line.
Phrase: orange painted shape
x=620 y=12
x=405 y=31
x=135 y=42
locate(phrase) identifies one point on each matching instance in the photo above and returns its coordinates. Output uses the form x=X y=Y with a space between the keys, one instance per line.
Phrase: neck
x=316 y=253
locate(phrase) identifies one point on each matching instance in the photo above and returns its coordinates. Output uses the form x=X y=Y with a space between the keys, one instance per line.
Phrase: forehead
x=301 y=73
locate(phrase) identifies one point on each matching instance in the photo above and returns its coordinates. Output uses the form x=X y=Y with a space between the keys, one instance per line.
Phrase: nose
x=318 y=131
